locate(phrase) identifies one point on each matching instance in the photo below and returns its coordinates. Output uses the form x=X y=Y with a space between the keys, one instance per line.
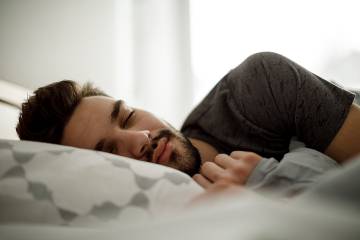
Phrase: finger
x=211 y=171
x=240 y=173
x=246 y=156
x=239 y=154
x=202 y=181
x=224 y=160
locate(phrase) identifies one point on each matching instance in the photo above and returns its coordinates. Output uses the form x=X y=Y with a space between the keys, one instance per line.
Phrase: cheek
x=156 y=124
x=151 y=123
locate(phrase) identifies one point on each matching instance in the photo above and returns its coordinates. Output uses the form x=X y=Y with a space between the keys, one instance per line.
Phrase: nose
x=133 y=143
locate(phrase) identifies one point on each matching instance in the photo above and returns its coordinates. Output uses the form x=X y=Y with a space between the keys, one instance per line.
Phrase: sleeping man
x=239 y=134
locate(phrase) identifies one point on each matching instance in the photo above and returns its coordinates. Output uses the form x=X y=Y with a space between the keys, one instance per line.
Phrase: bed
x=49 y=191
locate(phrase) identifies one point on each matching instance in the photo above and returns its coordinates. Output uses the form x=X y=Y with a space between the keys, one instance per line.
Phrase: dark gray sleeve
x=298 y=170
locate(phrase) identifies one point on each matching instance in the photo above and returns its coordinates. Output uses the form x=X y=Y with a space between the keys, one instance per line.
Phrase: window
x=320 y=35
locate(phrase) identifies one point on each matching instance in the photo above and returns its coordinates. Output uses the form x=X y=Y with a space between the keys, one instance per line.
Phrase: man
x=253 y=112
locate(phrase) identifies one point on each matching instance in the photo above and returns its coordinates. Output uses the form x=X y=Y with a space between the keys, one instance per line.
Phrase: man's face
x=103 y=124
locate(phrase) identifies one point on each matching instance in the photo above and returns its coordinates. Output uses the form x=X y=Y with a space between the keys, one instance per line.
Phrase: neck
x=207 y=152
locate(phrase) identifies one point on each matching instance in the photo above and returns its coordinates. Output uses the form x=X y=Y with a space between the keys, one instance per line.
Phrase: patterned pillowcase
x=54 y=184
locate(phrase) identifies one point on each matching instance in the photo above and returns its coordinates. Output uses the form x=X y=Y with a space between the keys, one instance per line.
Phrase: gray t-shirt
x=264 y=102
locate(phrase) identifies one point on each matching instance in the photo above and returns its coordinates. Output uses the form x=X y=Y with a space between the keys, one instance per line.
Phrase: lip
x=165 y=155
x=161 y=146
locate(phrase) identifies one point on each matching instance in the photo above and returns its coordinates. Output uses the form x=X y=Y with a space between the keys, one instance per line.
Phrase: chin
x=185 y=156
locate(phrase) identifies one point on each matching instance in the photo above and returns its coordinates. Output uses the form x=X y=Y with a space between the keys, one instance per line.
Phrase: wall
x=45 y=41
x=135 y=50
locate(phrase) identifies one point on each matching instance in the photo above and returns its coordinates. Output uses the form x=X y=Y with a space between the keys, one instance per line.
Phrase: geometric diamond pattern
x=44 y=168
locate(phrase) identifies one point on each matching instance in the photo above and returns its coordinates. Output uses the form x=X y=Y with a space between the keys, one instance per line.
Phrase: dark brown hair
x=44 y=115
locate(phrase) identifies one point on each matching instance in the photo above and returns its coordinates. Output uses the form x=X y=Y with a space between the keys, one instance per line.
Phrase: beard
x=185 y=157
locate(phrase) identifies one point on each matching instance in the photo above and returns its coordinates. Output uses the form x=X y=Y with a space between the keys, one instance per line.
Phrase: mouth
x=163 y=151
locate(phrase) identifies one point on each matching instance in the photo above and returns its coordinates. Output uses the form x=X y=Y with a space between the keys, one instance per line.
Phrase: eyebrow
x=116 y=110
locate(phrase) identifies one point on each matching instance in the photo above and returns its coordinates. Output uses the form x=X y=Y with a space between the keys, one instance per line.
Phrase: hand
x=227 y=171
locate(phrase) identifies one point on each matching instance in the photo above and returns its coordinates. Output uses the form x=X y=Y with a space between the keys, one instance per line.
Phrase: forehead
x=89 y=122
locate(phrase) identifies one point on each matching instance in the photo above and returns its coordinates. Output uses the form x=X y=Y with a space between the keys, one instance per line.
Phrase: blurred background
x=165 y=55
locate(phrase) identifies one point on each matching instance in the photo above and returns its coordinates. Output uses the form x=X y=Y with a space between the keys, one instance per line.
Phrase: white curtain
x=161 y=59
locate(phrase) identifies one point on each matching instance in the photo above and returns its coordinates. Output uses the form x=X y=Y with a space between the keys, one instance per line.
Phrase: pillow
x=60 y=185
x=8 y=120
x=11 y=97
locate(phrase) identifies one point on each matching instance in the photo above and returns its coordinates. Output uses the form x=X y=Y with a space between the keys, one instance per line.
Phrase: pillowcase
x=11 y=97
x=60 y=185
x=8 y=120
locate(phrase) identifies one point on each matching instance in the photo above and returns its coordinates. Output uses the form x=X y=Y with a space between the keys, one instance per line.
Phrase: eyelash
x=132 y=113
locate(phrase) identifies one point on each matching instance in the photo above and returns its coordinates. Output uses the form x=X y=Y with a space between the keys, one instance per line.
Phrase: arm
x=346 y=144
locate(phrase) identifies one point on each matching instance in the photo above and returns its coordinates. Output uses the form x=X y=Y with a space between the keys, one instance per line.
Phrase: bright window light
x=322 y=35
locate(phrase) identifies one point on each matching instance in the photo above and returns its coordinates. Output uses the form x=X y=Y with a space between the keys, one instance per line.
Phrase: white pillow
x=11 y=97
x=54 y=184
x=8 y=120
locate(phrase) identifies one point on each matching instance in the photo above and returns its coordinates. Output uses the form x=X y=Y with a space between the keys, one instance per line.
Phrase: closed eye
x=128 y=118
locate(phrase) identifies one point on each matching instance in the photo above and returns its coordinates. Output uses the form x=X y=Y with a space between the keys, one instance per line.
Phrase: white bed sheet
x=246 y=217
